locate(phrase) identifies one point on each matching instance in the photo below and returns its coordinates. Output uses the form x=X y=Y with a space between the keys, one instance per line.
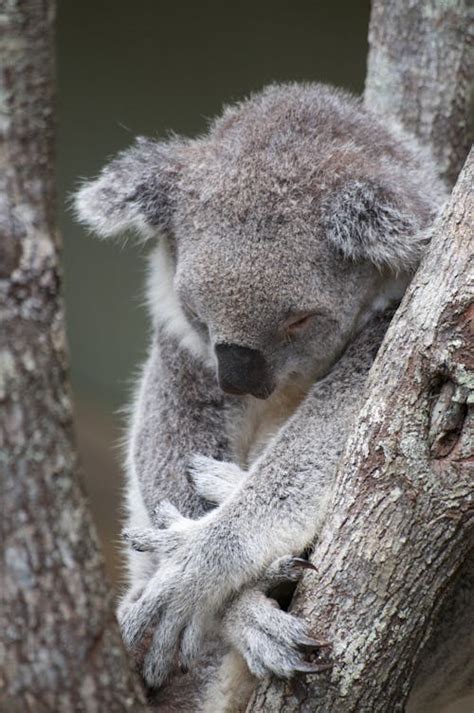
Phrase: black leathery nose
x=242 y=370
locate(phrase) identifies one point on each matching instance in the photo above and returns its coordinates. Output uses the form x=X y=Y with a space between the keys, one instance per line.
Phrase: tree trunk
x=61 y=648
x=420 y=69
x=399 y=527
x=401 y=522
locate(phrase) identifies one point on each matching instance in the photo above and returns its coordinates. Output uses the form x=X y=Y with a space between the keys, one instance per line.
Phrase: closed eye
x=298 y=323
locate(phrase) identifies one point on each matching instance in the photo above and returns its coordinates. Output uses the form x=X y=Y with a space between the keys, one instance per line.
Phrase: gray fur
x=133 y=192
x=297 y=202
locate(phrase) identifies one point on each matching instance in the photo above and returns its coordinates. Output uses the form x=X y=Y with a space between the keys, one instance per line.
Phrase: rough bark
x=420 y=69
x=61 y=648
x=402 y=518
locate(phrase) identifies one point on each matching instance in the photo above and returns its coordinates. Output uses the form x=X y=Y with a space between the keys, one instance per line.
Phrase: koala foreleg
x=178 y=410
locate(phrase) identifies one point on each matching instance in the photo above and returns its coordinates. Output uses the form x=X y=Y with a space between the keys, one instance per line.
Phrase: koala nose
x=242 y=370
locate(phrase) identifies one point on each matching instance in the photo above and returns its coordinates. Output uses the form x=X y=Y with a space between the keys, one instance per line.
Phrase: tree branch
x=62 y=648
x=420 y=69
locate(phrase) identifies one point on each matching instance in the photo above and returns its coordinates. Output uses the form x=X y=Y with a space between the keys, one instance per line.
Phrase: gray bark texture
x=400 y=526
x=402 y=519
x=60 y=646
x=420 y=70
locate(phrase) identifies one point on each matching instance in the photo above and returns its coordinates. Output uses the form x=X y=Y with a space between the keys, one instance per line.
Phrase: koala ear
x=135 y=191
x=366 y=221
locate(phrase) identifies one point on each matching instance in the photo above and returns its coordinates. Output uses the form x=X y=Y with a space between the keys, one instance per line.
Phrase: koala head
x=279 y=231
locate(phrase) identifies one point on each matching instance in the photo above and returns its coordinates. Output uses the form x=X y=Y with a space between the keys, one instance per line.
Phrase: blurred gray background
x=150 y=67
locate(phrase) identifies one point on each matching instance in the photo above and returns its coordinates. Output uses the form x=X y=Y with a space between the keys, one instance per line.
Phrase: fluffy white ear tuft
x=135 y=191
x=366 y=221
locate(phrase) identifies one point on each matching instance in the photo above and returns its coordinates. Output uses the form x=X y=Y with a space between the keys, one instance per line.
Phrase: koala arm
x=179 y=411
x=280 y=506
x=276 y=511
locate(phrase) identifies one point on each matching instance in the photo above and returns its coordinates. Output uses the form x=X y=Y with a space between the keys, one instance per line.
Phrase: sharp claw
x=310 y=643
x=306 y=667
x=304 y=564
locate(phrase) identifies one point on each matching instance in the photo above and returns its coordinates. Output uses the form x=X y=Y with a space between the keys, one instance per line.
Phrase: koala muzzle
x=242 y=370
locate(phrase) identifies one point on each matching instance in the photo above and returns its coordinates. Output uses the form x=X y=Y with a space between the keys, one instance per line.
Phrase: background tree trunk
x=420 y=70
x=61 y=648
x=400 y=528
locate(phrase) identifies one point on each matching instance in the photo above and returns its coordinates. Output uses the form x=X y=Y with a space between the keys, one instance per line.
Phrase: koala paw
x=215 y=480
x=272 y=642
x=179 y=603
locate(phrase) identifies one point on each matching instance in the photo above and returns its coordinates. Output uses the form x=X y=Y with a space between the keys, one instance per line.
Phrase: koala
x=283 y=239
